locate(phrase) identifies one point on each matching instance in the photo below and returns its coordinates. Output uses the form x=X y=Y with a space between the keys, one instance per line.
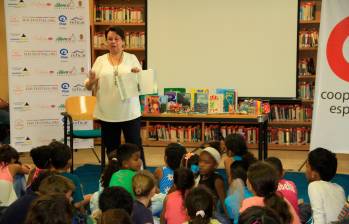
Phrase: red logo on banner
x=335 y=44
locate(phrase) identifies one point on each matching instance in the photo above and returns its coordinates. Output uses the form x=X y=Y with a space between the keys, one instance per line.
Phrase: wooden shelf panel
x=308 y=49
x=289 y=147
x=306 y=77
x=154 y=143
x=307 y=101
x=117 y=24
x=309 y=22
x=296 y=123
x=284 y=147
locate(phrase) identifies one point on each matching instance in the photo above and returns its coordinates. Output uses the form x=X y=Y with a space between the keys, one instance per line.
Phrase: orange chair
x=80 y=108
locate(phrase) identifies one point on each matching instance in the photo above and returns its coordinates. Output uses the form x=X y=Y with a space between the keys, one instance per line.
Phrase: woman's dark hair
x=115 y=216
x=238 y=169
x=324 y=162
x=125 y=152
x=115 y=197
x=7 y=154
x=264 y=181
x=118 y=30
x=41 y=156
x=183 y=179
x=199 y=204
x=112 y=167
x=50 y=209
x=260 y=215
x=236 y=144
x=174 y=153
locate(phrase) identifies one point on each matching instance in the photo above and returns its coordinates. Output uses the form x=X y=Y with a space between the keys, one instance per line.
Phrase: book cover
x=192 y=92
x=163 y=103
x=229 y=99
x=177 y=90
x=215 y=103
x=131 y=84
x=201 y=102
x=183 y=100
x=152 y=105
x=172 y=96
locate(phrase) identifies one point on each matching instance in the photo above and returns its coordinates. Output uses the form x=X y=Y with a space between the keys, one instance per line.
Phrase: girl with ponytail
x=199 y=204
x=174 y=211
x=262 y=181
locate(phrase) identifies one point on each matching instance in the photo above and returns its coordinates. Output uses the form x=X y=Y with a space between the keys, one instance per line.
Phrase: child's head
x=199 y=204
x=262 y=180
x=129 y=157
x=238 y=169
x=143 y=184
x=115 y=216
x=173 y=154
x=209 y=160
x=115 y=197
x=260 y=215
x=50 y=209
x=8 y=154
x=41 y=156
x=183 y=179
x=235 y=144
x=191 y=161
x=57 y=184
x=321 y=165
x=214 y=144
x=60 y=155
x=112 y=167
x=277 y=164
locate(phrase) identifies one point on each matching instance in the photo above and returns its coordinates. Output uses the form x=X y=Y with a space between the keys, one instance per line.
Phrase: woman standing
x=116 y=115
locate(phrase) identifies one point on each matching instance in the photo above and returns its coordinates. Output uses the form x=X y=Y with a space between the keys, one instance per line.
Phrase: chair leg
x=102 y=156
x=72 y=153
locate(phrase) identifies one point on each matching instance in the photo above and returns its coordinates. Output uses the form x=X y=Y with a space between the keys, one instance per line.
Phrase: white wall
x=249 y=45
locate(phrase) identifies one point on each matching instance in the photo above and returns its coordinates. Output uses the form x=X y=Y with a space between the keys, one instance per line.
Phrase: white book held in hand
x=135 y=84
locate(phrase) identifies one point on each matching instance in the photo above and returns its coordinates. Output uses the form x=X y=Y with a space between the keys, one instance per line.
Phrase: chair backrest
x=7 y=193
x=80 y=107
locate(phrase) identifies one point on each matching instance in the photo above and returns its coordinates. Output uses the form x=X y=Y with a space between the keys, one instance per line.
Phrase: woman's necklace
x=116 y=66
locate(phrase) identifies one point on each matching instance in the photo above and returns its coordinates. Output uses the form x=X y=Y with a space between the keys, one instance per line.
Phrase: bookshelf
x=199 y=128
x=128 y=14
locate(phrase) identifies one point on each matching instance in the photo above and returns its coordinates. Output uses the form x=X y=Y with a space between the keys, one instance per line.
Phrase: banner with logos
x=331 y=104
x=48 y=50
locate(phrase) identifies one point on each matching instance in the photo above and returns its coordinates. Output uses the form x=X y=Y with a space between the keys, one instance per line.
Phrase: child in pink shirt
x=262 y=181
x=174 y=211
x=286 y=188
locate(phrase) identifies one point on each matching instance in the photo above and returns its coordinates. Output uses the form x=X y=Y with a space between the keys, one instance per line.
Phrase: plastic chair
x=80 y=108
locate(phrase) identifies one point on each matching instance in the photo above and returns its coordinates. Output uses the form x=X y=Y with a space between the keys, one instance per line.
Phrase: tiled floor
x=292 y=160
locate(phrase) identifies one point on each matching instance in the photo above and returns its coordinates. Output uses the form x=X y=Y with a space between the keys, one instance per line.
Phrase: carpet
x=89 y=176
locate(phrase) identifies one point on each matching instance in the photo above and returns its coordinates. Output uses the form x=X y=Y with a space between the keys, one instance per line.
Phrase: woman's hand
x=92 y=80
x=135 y=70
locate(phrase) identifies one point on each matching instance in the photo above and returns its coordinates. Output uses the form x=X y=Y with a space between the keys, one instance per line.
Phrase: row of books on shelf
x=299 y=136
x=178 y=100
x=132 y=40
x=307 y=11
x=118 y=14
x=280 y=112
x=308 y=38
x=193 y=133
x=306 y=90
x=306 y=67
